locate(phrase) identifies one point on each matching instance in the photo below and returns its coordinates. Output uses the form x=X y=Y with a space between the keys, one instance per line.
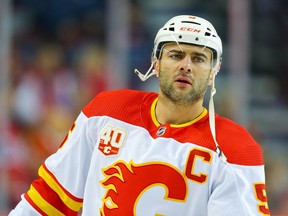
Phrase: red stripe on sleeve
x=64 y=190
x=30 y=201
x=52 y=197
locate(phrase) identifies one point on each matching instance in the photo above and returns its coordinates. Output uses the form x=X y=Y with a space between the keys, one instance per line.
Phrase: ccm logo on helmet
x=190 y=29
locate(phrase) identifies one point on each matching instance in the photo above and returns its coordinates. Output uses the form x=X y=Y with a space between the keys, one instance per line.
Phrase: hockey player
x=141 y=153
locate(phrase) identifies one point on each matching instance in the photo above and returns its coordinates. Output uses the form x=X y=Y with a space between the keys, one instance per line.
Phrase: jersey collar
x=154 y=119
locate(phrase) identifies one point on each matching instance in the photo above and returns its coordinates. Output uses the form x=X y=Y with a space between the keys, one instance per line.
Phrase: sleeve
x=61 y=179
x=239 y=190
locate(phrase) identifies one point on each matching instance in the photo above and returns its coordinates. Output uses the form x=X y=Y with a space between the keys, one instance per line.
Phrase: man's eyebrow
x=200 y=54
x=172 y=51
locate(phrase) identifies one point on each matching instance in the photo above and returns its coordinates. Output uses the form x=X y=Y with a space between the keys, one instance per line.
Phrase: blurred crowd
x=53 y=74
x=56 y=69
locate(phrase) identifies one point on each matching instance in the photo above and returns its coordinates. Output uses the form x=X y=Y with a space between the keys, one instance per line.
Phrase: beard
x=183 y=96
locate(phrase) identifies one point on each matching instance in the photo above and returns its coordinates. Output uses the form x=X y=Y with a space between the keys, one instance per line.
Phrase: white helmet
x=190 y=30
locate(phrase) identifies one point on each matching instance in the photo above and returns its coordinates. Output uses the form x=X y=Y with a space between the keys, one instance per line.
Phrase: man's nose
x=186 y=64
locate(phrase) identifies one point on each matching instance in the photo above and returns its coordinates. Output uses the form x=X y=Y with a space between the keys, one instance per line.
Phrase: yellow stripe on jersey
x=154 y=118
x=42 y=203
x=153 y=112
x=72 y=204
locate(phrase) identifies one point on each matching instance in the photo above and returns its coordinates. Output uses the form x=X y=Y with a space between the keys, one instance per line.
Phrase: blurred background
x=56 y=55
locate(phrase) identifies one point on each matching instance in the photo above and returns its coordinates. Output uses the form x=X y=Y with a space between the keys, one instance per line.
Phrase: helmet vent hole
x=207 y=34
x=180 y=36
x=172 y=29
x=191 y=22
x=196 y=38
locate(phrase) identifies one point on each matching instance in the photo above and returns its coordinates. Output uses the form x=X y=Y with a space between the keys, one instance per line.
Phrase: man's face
x=184 y=72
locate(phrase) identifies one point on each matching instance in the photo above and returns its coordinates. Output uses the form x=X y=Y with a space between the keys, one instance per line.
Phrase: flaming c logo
x=125 y=183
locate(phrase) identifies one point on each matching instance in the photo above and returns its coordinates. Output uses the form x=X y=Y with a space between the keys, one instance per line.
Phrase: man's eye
x=198 y=59
x=175 y=56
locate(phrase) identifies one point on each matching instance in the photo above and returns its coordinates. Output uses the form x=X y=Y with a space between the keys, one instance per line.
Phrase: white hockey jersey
x=118 y=160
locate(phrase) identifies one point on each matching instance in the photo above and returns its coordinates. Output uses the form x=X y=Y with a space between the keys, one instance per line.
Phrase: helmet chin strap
x=150 y=72
x=212 y=117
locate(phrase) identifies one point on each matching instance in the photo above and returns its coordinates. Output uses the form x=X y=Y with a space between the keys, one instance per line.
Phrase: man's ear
x=217 y=69
x=156 y=67
x=213 y=73
x=212 y=77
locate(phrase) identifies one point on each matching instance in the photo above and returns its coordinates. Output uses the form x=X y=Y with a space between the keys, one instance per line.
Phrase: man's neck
x=168 y=112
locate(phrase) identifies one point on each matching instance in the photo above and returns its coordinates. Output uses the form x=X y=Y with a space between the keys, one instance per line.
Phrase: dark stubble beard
x=181 y=98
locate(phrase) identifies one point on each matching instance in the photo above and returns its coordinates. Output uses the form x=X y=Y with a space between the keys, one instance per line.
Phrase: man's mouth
x=184 y=80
